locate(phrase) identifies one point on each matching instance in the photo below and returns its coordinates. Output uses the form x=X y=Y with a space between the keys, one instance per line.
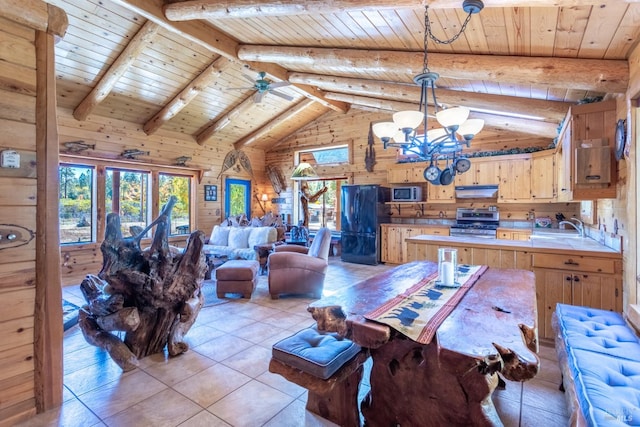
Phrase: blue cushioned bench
x=328 y=366
x=599 y=355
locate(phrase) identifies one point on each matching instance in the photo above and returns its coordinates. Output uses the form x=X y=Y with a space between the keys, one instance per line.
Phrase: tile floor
x=224 y=379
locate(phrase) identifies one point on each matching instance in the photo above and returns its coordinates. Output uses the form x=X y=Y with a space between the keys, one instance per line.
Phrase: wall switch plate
x=10 y=159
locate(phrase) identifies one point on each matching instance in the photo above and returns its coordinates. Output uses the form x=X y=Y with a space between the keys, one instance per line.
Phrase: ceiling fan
x=263 y=87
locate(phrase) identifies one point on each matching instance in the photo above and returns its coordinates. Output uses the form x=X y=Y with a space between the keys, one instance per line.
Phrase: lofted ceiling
x=185 y=66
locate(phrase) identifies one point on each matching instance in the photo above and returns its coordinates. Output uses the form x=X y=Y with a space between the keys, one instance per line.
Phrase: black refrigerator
x=362 y=211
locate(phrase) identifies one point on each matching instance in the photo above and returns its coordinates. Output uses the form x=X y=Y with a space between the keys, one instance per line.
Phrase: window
x=179 y=186
x=77 y=213
x=127 y=193
x=237 y=199
x=324 y=211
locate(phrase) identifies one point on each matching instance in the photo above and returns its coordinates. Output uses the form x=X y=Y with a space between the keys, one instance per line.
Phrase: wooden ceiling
x=177 y=66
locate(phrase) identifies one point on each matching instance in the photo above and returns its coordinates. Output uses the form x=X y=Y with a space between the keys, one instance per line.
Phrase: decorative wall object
x=233 y=157
x=277 y=178
x=210 y=193
x=370 y=153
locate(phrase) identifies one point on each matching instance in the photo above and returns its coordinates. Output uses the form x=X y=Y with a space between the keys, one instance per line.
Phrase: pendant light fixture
x=457 y=129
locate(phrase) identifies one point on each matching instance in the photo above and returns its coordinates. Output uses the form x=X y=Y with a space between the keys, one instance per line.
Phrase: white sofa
x=238 y=242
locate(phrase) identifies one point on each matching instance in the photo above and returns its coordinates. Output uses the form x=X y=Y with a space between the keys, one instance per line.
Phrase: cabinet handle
x=570 y=262
x=567 y=278
x=576 y=279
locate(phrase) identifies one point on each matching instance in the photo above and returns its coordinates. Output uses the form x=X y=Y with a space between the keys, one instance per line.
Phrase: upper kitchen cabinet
x=483 y=171
x=515 y=179
x=543 y=176
x=587 y=165
x=406 y=173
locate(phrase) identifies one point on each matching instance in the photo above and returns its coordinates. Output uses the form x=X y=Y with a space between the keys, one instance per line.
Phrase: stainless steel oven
x=480 y=223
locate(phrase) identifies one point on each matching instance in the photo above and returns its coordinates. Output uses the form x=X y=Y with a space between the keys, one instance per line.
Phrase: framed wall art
x=210 y=193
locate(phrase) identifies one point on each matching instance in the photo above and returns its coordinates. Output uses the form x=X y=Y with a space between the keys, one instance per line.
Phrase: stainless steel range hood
x=477 y=192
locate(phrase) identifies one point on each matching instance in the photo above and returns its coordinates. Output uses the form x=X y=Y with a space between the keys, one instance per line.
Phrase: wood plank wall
x=112 y=137
x=18 y=188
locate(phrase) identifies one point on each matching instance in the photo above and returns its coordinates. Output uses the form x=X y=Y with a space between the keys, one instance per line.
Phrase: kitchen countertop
x=547 y=243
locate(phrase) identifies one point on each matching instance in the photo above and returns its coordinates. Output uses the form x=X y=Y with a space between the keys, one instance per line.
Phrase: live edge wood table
x=450 y=380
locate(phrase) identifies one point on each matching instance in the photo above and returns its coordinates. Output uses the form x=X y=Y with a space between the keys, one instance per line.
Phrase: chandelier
x=457 y=129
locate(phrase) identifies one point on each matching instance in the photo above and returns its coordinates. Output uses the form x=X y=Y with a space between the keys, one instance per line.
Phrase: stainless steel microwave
x=411 y=193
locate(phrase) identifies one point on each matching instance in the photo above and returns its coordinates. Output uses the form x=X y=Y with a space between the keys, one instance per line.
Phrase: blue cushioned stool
x=600 y=359
x=328 y=366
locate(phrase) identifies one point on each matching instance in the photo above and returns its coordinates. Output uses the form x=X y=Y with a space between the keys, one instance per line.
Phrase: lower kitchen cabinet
x=513 y=234
x=576 y=280
x=394 y=248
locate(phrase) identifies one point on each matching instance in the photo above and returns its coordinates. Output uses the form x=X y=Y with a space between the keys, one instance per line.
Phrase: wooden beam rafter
x=599 y=75
x=36 y=15
x=278 y=121
x=212 y=9
x=344 y=89
x=126 y=58
x=186 y=95
x=222 y=122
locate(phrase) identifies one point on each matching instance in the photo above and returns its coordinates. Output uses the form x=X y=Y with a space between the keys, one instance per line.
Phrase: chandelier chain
x=429 y=35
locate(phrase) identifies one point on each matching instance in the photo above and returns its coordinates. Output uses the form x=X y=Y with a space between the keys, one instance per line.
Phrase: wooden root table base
x=420 y=390
x=450 y=380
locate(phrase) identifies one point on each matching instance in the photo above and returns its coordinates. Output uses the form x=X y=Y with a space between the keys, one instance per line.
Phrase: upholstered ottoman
x=237 y=276
x=326 y=365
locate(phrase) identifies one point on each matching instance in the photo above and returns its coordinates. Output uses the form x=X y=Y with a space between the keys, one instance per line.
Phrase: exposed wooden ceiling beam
x=36 y=14
x=215 y=41
x=552 y=111
x=213 y=9
x=599 y=75
x=534 y=127
x=222 y=122
x=186 y=95
x=278 y=121
x=130 y=53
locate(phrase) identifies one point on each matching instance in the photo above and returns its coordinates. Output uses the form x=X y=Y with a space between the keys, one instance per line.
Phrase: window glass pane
x=326 y=156
x=179 y=186
x=128 y=194
x=76 y=196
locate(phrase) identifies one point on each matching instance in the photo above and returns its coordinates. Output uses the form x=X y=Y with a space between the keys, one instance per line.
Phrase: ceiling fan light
x=408 y=119
x=471 y=127
x=452 y=117
x=385 y=130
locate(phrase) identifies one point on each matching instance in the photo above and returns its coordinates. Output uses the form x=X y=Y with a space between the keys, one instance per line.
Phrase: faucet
x=579 y=226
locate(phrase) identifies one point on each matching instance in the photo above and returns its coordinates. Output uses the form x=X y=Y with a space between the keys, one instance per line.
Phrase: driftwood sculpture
x=152 y=295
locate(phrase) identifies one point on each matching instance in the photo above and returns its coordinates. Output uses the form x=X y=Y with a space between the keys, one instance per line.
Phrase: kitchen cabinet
x=587 y=166
x=515 y=179
x=513 y=234
x=405 y=174
x=576 y=280
x=543 y=176
x=441 y=193
x=483 y=171
x=394 y=247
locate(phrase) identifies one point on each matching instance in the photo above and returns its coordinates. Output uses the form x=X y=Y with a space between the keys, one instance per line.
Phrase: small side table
x=296 y=242
x=263 y=255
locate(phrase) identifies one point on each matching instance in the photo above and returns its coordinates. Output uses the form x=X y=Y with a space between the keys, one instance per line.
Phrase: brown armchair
x=299 y=270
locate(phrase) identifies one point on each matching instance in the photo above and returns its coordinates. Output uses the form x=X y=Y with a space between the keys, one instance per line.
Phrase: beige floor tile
x=172 y=370
x=252 y=362
x=211 y=385
x=222 y=347
x=279 y=382
x=122 y=394
x=94 y=376
x=256 y=332
x=253 y=404
x=72 y=413
x=295 y=415
x=201 y=334
x=86 y=356
x=232 y=323
x=286 y=320
x=165 y=409
x=271 y=340
x=204 y=419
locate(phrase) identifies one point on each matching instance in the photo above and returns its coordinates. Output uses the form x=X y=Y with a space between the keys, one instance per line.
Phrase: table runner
x=419 y=311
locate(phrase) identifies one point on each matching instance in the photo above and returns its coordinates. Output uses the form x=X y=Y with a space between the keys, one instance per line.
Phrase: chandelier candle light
x=457 y=129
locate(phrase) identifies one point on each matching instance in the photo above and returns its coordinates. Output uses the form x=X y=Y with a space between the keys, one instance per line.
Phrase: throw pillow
x=260 y=235
x=239 y=237
x=219 y=236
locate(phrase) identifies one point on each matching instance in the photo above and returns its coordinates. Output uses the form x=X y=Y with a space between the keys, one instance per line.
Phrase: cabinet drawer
x=575 y=263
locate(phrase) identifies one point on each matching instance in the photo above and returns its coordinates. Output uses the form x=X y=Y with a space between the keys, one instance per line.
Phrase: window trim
x=101 y=166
